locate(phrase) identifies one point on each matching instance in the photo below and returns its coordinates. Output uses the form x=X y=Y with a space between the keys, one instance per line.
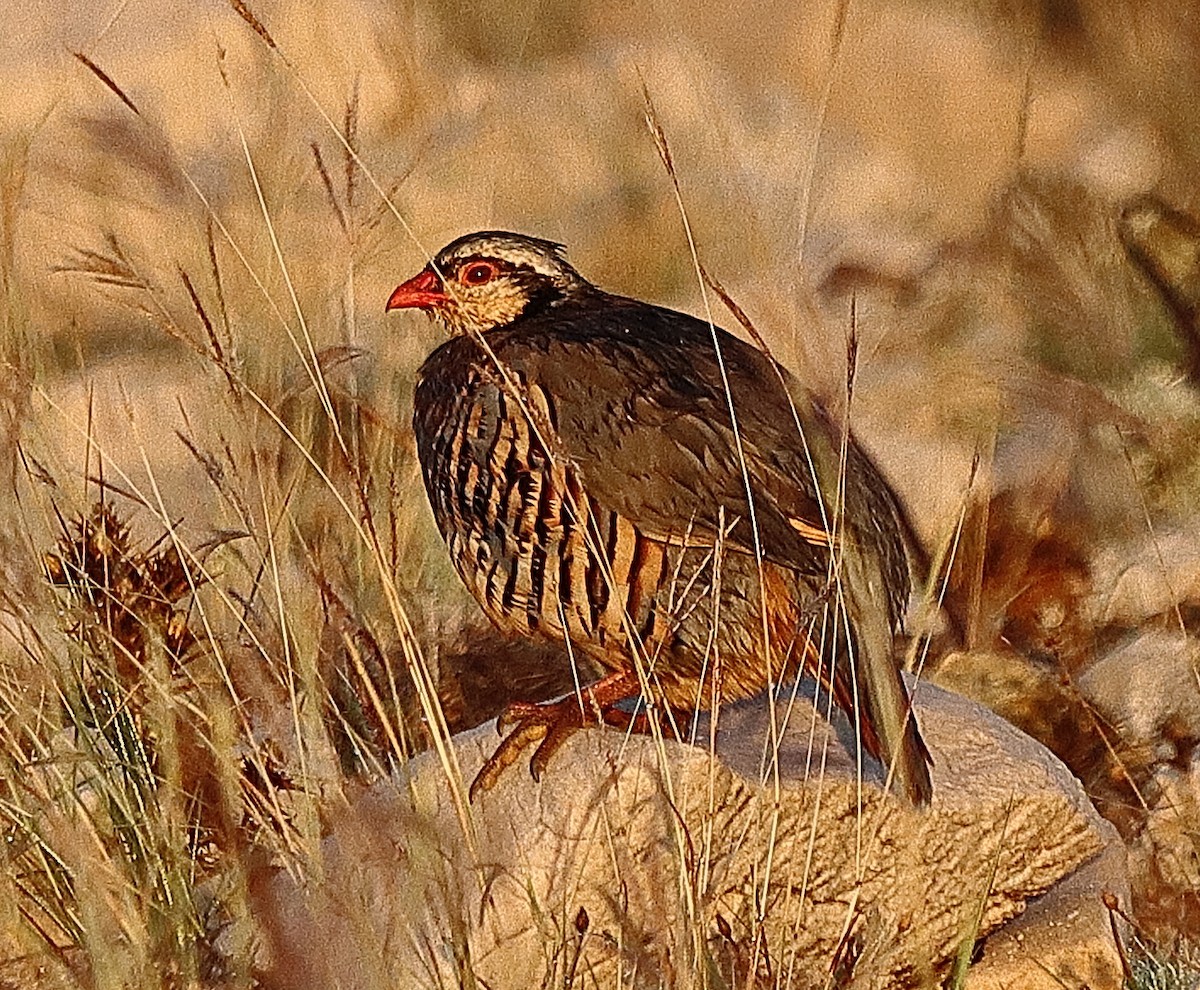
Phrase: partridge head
x=487 y=280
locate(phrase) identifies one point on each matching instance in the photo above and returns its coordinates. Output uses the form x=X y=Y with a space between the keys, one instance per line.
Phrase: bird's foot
x=550 y=724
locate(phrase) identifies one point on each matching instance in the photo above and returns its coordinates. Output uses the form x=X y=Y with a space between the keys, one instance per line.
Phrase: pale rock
x=663 y=845
x=1145 y=686
x=1065 y=939
x=1146 y=579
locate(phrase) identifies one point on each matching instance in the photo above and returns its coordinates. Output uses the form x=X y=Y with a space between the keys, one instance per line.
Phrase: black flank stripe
x=503 y=426
x=541 y=527
x=510 y=586
x=457 y=466
x=525 y=526
x=565 y=555
x=574 y=522
x=512 y=480
x=597 y=586
x=647 y=631
x=490 y=587
x=541 y=539
x=610 y=551
x=551 y=411
x=664 y=575
x=512 y=475
x=481 y=496
x=484 y=482
x=464 y=489
x=664 y=570
x=537 y=578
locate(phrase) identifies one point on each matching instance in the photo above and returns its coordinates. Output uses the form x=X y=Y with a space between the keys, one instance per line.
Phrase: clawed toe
x=550 y=724
x=557 y=734
x=525 y=734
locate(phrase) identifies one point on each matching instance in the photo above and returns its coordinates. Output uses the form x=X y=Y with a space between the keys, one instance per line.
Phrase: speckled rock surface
x=1064 y=939
x=675 y=854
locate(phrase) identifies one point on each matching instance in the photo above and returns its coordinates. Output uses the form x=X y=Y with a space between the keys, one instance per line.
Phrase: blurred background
x=956 y=166
x=194 y=270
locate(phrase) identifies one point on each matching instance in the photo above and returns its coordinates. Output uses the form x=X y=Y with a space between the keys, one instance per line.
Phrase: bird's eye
x=478 y=273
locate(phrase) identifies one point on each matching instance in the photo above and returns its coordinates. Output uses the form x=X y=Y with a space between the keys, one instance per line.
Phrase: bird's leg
x=553 y=722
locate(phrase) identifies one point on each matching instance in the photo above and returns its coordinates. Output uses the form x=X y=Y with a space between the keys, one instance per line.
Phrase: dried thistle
x=130 y=595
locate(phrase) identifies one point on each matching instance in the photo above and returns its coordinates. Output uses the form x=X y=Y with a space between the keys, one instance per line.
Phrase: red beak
x=421 y=291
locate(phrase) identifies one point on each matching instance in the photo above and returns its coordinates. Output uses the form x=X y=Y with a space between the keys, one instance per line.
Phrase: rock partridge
x=657 y=495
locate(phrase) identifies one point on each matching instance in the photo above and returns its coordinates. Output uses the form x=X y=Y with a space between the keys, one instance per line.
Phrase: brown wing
x=641 y=407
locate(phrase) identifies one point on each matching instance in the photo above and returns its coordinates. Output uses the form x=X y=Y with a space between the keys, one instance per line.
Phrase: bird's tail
x=871 y=678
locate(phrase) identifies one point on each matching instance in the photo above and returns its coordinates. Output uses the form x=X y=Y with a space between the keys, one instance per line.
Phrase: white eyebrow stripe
x=541 y=257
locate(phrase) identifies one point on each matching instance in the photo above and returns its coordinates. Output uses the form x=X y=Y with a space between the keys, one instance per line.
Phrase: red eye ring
x=478 y=272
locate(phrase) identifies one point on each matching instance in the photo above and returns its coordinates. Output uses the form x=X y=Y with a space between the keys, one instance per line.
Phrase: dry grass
x=223 y=608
